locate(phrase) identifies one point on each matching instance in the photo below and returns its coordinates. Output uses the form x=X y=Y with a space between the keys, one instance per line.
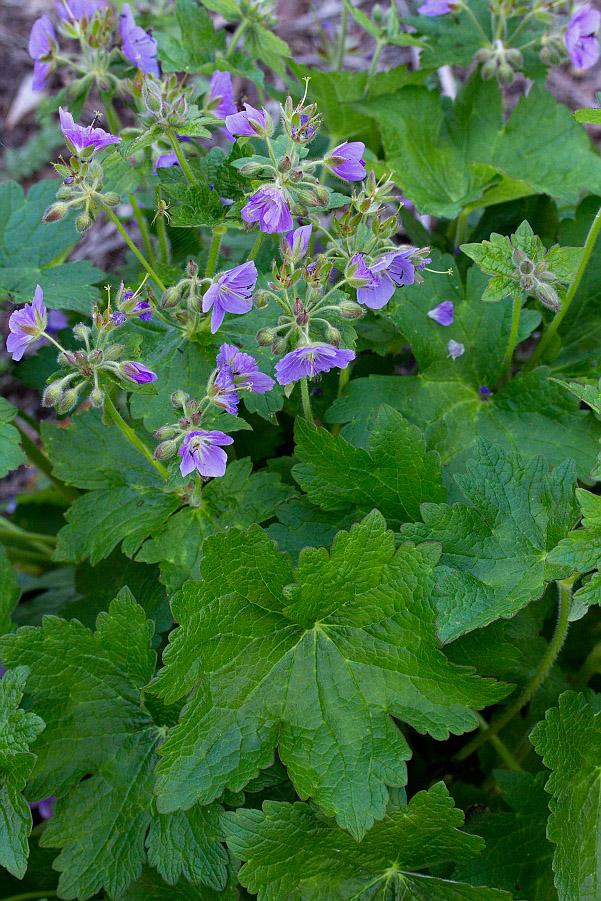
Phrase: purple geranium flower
x=269 y=207
x=308 y=361
x=138 y=46
x=224 y=391
x=443 y=313
x=581 y=37
x=242 y=123
x=298 y=241
x=27 y=325
x=45 y=807
x=484 y=391
x=118 y=317
x=436 y=8
x=137 y=372
x=73 y=10
x=391 y=269
x=309 y=132
x=219 y=101
x=42 y=42
x=144 y=310
x=80 y=137
x=200 y=450
x=455 y=349
x=244 y=369
x=231 y=293
x=346 y=160
x=166 y=160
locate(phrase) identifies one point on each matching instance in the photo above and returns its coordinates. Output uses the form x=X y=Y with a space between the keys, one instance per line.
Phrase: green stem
x=112 y=118
x=162 y=233
x=39 y=459
x=196 y=496
x=513 y=337
x=133 y=247
x=182 y=159
x=547 y=337
x=306 y=399
x=214 y=252
x=342 y=46
x=236 y=37
x=18 y=554
x=32 y=896
x=143 y=226
x=555 y=646
x=372 y=70
x=590 y=667
x=501 y=748
x=256 y=246
x=132 y=437
x=477 y=24
x=37 y=540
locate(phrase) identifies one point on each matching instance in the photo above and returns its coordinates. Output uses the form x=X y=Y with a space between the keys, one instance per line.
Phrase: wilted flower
x=42 y=42
x=310 y=360
x=80 y=137
x=455 y=349
x=443 y=313
x=137 y=372
x=391 y=269
x=138 y=46
x=244 y=369
x=346 y=160
x=231 y=293
x=242 y=123
x=27 y=325
x=200 y=450
x=581 y=37
x=298 y=241
x=268 y=206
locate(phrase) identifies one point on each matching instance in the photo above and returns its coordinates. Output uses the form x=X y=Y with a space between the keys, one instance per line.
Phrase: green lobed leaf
x=396 y=476
x=292 y=852
x=580 y=552
x=316 y=666
x=569 y=742
x=11 y=452
x=18 y=730
x=9 y=591
x=89 y=686
x=517 y=856
x=494 y=551
x=31 y=249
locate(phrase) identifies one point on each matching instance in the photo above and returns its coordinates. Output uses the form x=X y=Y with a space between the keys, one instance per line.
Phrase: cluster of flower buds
x=166 y=103
x=499 y=62
x=536 y=279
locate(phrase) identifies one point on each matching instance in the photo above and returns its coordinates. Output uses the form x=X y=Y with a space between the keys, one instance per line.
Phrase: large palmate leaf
x=396 y=476
x=11 y=453
x=238 y=499
x=314 y=661
x=81 y=682
x=569 y=741
x=292 y=852
x=531 y=415
x=494 y=551
x=517 y=856
x=30 y=251
x=18 y=730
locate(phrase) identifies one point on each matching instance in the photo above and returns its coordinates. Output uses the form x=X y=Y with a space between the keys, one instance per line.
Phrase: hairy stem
x=132 y=437
x=182 y=159
x=143 y=226
x=342 y=45
x=133 y=247
x=565 y=599
x=372 y=69
x=304 y=385
x=214 y=252
x=551 y=331
x=501 y=748
x=513 y=337
x=37 y=540
x=236 y=37
x=256 y=246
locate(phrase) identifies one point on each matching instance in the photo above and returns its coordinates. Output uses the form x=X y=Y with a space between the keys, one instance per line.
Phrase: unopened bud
x=482 y=55
x=489 y=69
x=81 y=331
x=166 y=431
x=55 y=212
x=527 y=267
x=52 y=394
x=68 y=400
x=114 y=351
x=165 y=450
x=179 y=399
x=192 y=269
x=505 y=73
x=171 y=297
x=97 y=397
x=547 y=295
x=260 y=301
x=82 y=223
x=333 y=336
x=111 y=198
x=151 y=95
x=514 y=58
x=64 y=193
x=279 y=345
x=284 y=164
x=350 y=310
x=250 y=169
x=265 y=337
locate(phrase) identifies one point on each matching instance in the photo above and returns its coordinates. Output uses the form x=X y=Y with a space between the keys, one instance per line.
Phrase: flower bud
x=52 y=394
x=547 y=295
x=69 y=399
x=111 y=198
x=166 y=431
x=95 y=169
x=279 y=345
x=514 y=58
x=192 y=269
x=65 y=359
x=489 y=69
x=165 y=450
x=333 y=336
x=171 y=297
x=179 y=399
x=97 y=397
x=265 y=337
x=260 y=301
x=350 y=310
x=483 y=55
x=95 y=356
x=250 y=169
x=64 y=193
x=55 y=212
x=505 y=73
x=82 y=223
x=152 y=97
x=284 y=164
x=114 y=351
x=81 y=331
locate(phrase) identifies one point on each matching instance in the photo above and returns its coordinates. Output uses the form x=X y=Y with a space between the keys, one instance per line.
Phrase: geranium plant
x=301 y=598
